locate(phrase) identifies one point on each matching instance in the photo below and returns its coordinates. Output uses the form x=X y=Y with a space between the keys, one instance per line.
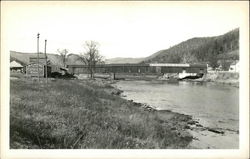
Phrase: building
x=235 y=67
x=33 y=67
x=16 y=66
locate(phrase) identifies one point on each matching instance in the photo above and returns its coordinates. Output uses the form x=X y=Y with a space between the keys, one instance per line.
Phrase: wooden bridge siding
x=196 y=70
x=128 y=69
x=170 y=70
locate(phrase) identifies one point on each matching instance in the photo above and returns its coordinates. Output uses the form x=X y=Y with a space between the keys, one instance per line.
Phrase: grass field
x=78 y=114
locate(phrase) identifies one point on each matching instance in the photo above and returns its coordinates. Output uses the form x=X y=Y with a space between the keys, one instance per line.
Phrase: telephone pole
x=38 y=57
x=46 y=67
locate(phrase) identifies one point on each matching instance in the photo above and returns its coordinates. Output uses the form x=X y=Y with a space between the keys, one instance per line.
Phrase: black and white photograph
x=133 y=76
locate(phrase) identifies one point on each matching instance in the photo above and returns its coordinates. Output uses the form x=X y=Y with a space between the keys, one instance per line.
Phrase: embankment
x=231 y=78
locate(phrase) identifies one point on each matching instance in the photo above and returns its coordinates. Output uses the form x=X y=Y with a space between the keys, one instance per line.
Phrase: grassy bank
x=86 y=114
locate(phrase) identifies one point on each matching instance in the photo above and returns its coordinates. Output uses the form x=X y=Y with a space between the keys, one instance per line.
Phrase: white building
x=235 y=67
x=16 y=66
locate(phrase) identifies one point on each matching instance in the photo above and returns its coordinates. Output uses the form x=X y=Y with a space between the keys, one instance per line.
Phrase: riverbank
x=215 y=118
x=228 y=78
x=83 y=114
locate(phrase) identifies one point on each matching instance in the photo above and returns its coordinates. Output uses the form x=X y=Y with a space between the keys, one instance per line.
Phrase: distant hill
x=24 y=57
x=17 y=60
x=53 y=58
x=123 y=60
x=199 y=50
x=71 y=59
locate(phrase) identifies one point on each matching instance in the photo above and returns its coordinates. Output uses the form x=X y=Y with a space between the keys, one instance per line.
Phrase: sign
x=42 y=60
x=32 y=70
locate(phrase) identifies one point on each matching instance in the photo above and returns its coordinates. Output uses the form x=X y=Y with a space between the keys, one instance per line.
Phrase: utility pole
x=46 y=67
x=38 y=57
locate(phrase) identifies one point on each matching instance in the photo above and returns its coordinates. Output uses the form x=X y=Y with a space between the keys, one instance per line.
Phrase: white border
x=242 y=152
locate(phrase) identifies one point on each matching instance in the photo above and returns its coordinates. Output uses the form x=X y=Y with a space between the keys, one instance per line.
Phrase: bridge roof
x=111 y=65
x=144 y=65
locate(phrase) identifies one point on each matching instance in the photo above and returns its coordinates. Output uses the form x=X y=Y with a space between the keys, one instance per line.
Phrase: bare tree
x=91 y=56
x=63 y=54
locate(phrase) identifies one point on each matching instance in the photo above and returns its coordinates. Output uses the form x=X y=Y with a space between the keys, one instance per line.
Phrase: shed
x=15 y=66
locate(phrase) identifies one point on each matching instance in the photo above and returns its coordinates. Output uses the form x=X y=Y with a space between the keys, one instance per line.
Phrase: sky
x=123 y=29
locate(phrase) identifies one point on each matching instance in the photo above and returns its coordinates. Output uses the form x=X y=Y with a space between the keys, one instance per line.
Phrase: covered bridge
x=140 y=68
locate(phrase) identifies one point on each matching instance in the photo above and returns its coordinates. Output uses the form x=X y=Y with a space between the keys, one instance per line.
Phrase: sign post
x=46 y=65
x=38 y=57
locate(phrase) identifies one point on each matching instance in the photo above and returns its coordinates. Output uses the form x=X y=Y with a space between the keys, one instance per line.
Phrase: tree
x=63 y=54
x=189 y=58
x=91 y=56
x=225 y=64
x=212 y=58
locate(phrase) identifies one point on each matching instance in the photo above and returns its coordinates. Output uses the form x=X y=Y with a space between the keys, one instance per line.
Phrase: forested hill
x=210 y=50
x=123 y=60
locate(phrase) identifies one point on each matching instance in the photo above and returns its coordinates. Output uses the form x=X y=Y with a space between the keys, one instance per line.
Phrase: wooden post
x=38 y=57
x=46 y=66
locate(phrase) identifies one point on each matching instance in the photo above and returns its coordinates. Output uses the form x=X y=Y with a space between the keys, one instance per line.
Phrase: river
x=213 y=105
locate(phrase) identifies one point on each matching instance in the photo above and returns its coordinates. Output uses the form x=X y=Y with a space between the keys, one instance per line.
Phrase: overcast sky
x=123 y=29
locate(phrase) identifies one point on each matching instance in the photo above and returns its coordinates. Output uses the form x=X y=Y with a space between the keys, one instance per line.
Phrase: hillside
x=24 y=57
x=204 y=49
x=123 y=60
x=178 y=49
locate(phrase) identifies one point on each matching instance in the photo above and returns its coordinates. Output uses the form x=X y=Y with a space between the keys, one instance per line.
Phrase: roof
x=111 y=65
x=170 y=64
x=143 y=65
x=178 y=65
x=15 y=64
x=41 y=60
